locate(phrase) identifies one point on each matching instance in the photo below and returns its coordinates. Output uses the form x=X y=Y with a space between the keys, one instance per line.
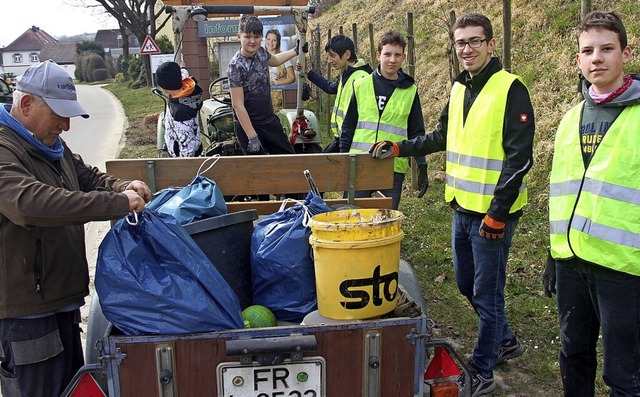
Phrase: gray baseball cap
x=51 y=82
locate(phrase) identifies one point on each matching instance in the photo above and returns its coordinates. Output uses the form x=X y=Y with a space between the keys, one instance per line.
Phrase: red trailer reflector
x=87 y=387
x=441 y=366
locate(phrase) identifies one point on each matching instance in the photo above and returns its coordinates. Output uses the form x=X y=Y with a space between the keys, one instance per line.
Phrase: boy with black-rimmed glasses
x=487 y=131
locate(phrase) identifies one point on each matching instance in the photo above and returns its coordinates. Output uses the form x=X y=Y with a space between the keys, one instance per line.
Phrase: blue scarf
x=54 y=152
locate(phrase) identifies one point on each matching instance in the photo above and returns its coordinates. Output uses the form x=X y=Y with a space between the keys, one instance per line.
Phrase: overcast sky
x=56 y=17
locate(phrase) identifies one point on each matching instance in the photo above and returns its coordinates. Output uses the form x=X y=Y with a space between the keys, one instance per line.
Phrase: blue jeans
x=480 y=265
x=591 y=297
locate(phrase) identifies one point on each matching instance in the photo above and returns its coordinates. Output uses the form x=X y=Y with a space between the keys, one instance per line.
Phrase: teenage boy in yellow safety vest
x=341 y=53
x=385 y=106
x=487 y=131
x=595 y=216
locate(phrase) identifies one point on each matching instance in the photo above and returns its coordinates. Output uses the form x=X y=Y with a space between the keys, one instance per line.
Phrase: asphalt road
x=96 y=139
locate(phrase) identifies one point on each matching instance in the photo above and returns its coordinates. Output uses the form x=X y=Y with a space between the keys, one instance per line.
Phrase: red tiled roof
x=33 y=39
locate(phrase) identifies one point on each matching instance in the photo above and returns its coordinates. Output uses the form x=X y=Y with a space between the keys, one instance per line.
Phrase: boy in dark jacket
x=385 y=105
x=341 y=53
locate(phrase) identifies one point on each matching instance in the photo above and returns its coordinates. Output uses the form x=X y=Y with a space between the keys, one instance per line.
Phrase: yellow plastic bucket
x=356 y=257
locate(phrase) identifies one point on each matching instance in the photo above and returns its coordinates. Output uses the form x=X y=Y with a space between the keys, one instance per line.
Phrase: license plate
x=290 y=379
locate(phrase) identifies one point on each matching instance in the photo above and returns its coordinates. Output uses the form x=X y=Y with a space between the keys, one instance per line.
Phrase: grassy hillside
x=543 y=53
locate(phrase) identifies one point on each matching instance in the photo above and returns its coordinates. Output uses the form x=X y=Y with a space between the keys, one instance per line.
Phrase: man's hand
x=491 y=229
x=254 y=146
x=549 y=277
x=383 y=149
x=141 y=189
x=423 y=179
x=136 y=203
x=305 y=47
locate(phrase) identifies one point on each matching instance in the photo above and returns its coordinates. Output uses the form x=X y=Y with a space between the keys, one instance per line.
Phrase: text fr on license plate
x=304 y=378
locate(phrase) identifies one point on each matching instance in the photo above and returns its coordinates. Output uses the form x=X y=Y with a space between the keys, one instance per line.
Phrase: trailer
x=395 y=355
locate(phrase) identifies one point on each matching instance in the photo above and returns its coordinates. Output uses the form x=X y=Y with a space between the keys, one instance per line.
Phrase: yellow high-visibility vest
x=391 y=125
x=474 y=155
x=594 y=214
x=343 y=98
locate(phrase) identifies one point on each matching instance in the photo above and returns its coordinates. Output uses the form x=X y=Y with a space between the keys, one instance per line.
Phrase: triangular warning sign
x=149 y=47
x=441 y=366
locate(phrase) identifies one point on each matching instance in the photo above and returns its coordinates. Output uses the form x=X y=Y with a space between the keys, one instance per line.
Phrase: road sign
x=149 y=47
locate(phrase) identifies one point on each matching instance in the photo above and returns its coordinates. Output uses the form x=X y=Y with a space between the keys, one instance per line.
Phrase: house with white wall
x=25 y=50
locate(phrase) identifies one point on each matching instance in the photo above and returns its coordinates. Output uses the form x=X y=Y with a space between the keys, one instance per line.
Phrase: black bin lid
x=220 y=221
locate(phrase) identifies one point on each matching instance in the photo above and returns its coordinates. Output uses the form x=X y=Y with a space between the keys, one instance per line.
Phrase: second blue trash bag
x=283 y=276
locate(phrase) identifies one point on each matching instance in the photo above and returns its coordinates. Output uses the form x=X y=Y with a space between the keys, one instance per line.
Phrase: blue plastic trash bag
x=283 y=276
x=198 y=200
x=152 y=278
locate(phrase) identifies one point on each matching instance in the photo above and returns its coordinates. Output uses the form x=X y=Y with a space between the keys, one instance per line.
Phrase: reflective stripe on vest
x=343 y=97
x=475 y=156
x=390 y=126
x=595 y=214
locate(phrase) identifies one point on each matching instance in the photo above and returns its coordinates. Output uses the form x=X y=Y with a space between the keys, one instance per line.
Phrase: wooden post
x=372 y=45
x=340 y=30
x=354 y=29
x=585 y=9
x=329 y=96
x=506 y=45
x=411 y=67
x=454 y=59
x=316 y=63
x=411 y=44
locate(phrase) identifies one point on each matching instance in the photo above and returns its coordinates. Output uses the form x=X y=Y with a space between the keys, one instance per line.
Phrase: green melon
x=258 y=316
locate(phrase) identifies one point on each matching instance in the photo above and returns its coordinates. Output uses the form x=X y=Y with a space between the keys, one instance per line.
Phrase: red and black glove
x=383 y=149
x=491 y=229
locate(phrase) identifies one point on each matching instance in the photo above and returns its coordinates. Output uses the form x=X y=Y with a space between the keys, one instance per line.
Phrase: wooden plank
x=269 y=207
x=276 y=174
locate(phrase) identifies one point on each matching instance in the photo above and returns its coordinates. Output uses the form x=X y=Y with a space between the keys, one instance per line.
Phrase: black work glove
x=305 y=47
x=383 y=149
x=491 y=229
x=423 y=179
x=549 y=277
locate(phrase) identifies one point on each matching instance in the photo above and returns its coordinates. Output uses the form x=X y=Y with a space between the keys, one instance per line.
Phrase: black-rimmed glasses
x=473 y=43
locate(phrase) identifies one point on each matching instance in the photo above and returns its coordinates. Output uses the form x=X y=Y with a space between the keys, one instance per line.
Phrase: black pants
x=39 y=356
x=333 y=147
x=271 y=135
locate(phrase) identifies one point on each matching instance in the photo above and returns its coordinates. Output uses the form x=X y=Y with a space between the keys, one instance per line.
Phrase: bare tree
x=137 y=17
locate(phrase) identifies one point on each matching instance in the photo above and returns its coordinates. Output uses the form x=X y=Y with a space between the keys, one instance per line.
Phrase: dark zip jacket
x=517 y=139
x=384 y=87
x=44 y=205
x=331 y=87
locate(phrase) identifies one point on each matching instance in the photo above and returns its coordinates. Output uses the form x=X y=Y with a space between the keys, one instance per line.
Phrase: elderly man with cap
x=181 y=126
x=47 y=194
